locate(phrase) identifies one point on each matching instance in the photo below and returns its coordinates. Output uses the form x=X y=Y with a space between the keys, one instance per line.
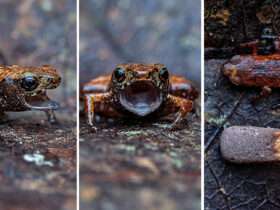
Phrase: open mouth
x=141 y=98
x=40 y=101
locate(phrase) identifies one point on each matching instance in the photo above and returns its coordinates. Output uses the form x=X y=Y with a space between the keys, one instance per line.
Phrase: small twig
x=220 y=128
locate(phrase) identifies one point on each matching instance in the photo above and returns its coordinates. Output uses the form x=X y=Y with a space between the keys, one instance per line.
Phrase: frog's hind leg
x=178 y=105
x=99 y=104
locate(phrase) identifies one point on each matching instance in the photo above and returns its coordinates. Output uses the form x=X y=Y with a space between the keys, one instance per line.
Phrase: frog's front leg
x=99 y=104
x=178 y=105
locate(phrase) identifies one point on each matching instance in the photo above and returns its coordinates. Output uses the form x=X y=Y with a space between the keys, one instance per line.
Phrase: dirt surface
x=232 y=186
x=140 y=166
x=38 y=160
x=37 y=164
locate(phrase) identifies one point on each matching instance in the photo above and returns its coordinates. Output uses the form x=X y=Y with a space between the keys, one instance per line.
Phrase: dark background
x=36 y=32
x=231 y=186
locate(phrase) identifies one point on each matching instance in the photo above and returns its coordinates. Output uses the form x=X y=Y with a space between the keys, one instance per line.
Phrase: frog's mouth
x=141 y=98
x=40 y=101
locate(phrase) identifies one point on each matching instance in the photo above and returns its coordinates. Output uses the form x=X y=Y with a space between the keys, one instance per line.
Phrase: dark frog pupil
x=29 y=83
x=163 y=73
x=119 y=74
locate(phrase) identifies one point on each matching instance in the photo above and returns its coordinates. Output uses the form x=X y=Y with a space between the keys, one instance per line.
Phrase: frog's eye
x=29 y=83
x=119 y=74
x=163 y=73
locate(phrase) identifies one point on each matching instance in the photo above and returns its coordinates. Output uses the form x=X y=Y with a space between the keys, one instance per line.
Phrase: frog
x=139 y=91
x=24 y=88
x=260 y=69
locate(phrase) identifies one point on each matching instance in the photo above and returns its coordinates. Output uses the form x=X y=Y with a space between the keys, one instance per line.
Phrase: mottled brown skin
x=24 y=88
x=108 y=97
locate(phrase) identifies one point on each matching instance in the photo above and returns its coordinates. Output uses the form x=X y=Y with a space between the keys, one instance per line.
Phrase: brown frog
x=261 y=69
x=24 y=88
x=139 y=90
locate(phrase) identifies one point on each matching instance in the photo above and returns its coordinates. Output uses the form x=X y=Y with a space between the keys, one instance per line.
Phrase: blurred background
x=42 y=32
x=114 y=32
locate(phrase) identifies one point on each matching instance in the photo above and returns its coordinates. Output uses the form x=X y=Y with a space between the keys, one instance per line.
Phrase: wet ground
x=37 y=163
x=141 y=166
x=231 y=186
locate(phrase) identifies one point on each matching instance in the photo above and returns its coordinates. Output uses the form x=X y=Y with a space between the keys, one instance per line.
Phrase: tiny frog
x=262 y=69
x=24 y=88
x=139 y=90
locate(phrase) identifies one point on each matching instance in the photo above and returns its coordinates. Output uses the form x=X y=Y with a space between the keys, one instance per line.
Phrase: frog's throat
x=141 y=98
x=40 y=102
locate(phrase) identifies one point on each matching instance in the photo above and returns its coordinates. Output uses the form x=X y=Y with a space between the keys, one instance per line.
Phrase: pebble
x=247 y=144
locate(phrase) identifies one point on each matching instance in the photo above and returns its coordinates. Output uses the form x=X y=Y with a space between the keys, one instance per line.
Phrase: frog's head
x=32 y=84
x=140 y=88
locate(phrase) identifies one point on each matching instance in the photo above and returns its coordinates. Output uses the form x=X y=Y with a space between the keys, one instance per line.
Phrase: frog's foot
x=179 y=122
